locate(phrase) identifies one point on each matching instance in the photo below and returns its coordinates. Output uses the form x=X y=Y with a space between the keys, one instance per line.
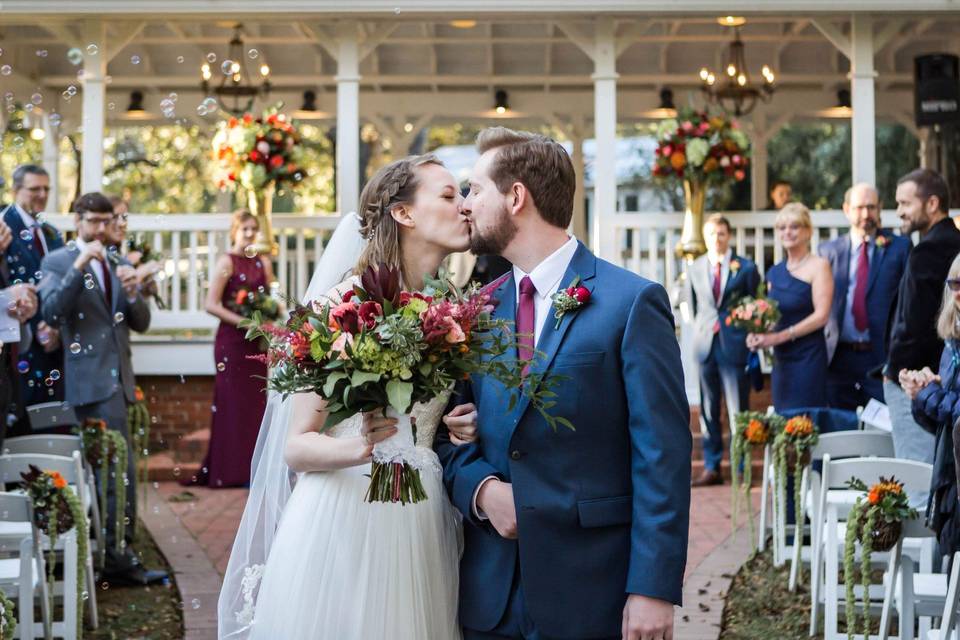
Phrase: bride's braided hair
x=394 y=184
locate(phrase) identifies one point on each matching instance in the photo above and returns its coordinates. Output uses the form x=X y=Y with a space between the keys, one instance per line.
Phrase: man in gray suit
x=714 y=282
x=91 y=295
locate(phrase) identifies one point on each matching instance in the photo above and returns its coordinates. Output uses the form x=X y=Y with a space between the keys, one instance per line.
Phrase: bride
x=335 y=566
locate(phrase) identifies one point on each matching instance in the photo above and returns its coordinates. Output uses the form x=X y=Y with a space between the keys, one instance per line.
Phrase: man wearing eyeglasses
x=32 y=239
x=867 y=265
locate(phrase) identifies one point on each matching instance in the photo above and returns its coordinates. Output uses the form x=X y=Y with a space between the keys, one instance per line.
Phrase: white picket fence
x=180 y=341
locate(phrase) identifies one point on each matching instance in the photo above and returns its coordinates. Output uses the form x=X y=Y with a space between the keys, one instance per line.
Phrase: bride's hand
x=462 y=424
x=376 y=428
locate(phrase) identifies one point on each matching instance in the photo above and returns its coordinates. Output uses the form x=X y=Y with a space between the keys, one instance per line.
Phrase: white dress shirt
x=31 y=223
x=546 y=277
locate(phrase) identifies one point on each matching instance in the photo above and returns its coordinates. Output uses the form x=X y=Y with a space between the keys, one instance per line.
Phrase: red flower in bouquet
x=369 y=312
x=346 y=317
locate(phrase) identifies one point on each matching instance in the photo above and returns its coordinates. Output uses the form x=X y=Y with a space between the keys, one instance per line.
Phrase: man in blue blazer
x=867 y=265
x=573 y=533
x=32 y=240
x=714 y=282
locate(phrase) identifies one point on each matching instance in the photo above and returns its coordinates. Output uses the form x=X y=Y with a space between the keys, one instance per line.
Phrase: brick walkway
x=196 y=537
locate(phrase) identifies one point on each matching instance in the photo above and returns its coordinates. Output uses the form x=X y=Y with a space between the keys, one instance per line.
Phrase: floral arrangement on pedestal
x=259 y=154
x=751 y=430
x=57 y=510
x=8 y=621
x=382 y=348
x=138 y=426
x=876 y=522
x=700 y=149
x=103 y=447
x=791 y=454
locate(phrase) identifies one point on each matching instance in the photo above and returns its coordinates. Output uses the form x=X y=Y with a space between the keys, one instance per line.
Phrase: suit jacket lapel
x=879 y=253
x=584 y=265
x=115 y=288
x=731 y=276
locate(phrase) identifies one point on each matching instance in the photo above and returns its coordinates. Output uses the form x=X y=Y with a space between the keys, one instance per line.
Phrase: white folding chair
x=915 y=595
x=837 y=445
x=47 y=415
x=948 y=618
x=11 y=467
x=22 y=570
x=915 y=477
x=66 y=446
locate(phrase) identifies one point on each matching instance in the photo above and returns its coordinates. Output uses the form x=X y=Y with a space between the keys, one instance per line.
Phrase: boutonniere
x=569 y=299
x=882 y=241
x=734 y=266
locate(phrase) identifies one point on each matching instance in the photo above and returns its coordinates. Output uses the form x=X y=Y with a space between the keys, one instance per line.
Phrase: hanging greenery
x=791 y=455
x=101 y=447
x=8 y=621
x=874 y=522
x=752 y=429
x=138 y=426
x=57 y=510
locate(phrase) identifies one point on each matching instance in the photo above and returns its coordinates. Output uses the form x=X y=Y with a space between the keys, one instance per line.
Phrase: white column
x=862 y=76
x=51 y=162
x=579 y=226
x=94 y=94
x=348 y=117
x=605 y=134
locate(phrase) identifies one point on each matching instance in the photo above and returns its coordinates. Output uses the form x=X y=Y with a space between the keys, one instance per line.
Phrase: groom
x=575 y=533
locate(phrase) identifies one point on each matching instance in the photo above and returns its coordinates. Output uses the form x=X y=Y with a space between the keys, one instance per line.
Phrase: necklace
x=797 y=265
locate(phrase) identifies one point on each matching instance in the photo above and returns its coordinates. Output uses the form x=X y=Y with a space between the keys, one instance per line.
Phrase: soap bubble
x=135 y=59
x=75 y=56
x=93 y=49
x=6 y=70
x=211 y=57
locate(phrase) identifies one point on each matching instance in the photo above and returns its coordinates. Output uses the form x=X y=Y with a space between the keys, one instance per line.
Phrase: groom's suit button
x=515 y=454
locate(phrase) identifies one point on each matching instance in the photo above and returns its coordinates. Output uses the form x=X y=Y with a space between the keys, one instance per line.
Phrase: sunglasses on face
x=953 y=284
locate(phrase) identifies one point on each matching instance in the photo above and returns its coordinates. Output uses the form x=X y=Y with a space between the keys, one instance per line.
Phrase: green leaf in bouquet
x=330 y=385
x=399 y=394
x=335 y=364
x=362 y=377
x=317 y=351
x=335 y=418
x=425 y=368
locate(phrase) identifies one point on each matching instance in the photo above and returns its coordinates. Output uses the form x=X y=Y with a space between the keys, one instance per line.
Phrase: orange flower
x=138 y=394
x=58 y=481
x=875 y=495
x=678 y=160
x=240 y=297
x=799 y=426
x=710 y=165
x=756 y=432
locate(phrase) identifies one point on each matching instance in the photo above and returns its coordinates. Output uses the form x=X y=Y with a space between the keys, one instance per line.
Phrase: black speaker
x=936 y=89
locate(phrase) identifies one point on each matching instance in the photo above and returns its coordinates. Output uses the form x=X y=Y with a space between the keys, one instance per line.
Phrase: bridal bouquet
x=383 y=348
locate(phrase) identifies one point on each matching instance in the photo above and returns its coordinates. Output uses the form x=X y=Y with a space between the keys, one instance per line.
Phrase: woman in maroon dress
x=239 y=398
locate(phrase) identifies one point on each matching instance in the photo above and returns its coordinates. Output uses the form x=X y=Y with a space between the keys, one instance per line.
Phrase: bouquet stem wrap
x=397 y=462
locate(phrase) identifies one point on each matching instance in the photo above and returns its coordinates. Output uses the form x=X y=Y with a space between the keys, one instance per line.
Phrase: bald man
x=867 y=264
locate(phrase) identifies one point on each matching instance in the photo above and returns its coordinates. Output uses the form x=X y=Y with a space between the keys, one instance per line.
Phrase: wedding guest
x=867 y=265
x=32 y=240
x=780 y=193
x=21 y=303
x=91 y=295
x=120 y=206
x=936 y=408
x=714 y=282
x=912 y=342
x=802 y=284
x=238 y=396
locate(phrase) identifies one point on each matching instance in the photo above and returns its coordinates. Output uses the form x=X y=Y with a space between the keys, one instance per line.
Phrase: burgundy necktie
x=716 y=281
x=37 y=242
x=107 y=285
x=860 y=291
x=525 y=319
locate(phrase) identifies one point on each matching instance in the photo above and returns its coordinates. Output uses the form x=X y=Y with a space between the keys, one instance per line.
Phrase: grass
x=134 y=613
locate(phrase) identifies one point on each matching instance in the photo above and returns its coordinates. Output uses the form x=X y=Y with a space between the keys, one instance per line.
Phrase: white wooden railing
x=644 y=242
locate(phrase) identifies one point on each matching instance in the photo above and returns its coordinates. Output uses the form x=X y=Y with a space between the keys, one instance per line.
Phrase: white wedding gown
x=341 y=568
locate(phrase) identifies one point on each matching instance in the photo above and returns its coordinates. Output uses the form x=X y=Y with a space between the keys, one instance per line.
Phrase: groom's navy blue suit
x=602 y=511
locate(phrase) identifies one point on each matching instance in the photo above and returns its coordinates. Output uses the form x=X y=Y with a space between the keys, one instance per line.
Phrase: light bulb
x=264 y=70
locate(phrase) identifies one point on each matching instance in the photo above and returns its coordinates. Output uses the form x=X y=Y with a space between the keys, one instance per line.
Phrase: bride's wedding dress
x=341 y=568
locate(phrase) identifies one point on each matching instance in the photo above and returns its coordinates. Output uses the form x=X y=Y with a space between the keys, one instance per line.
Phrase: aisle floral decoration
x=101 y=447
x=791 y=454
x=383 y=348
x=752 y=430
x=8 y=621
x=876 y=522
x=138 y=426
x=57 y=510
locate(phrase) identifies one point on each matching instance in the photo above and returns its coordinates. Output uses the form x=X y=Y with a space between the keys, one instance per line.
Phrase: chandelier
x=235 y=93
x=733 y=90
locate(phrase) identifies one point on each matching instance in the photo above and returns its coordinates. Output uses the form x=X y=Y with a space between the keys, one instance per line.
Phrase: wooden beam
x=835 y=36
x=885 y=35
x=321 y=36
x=122 y=36
x=373 y=40
x=578 y=36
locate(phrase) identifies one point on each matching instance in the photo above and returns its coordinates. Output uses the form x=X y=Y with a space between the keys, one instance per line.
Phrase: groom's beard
x=496 y=239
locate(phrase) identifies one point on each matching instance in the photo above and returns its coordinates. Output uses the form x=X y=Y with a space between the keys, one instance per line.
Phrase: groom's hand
x=647 y=619
x=495 y=500
x=462 y=423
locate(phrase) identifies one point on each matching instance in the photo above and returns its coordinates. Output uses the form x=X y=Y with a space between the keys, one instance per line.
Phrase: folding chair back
x=52 y=444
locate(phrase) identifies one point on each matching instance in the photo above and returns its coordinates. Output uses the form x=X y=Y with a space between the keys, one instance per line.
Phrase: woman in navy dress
x=803 y=286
